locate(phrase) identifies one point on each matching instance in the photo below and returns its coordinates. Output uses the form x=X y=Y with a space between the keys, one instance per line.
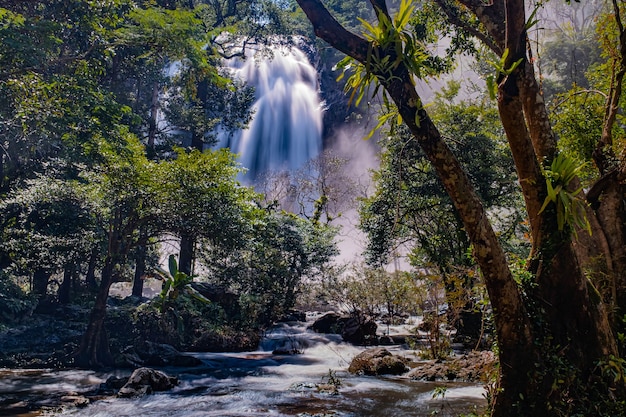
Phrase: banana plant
x=176 y=282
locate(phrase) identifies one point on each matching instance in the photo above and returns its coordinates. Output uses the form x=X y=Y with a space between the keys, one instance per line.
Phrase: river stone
x=329 y=323
x=359 y=331
x=146 y=381
x=157 y=354
x=75 y=400
x=378 y=361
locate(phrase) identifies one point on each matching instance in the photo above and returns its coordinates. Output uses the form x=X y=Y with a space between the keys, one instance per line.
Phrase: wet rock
x=359 y=331
x=386 y=341
x=158 y=354
x=75 y=400
x=378 y=361
x=146 y=381
x=472 y=367
x=329 y=323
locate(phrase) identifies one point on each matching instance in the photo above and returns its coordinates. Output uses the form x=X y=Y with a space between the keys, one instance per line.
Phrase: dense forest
x=502 y=196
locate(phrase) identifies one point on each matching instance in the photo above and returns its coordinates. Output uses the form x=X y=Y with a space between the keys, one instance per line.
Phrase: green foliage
x=569 y=206
x=391 y=43
x=409 y=205
x=377 y=293
x=47 y=224
x=173 y=282
x=271 y=262
x=15 y=303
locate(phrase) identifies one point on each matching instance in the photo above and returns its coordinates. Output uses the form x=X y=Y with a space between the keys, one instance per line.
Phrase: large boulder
x=359 y=331
x=378 y=361
x=329 y=323
x=146 y=381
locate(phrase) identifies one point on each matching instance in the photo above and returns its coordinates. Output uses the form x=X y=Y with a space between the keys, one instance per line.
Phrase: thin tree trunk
x=154 y=113
x=41 y=277
x=90 y=278
x=186 y=254
x=140 y=270
x=66 y=285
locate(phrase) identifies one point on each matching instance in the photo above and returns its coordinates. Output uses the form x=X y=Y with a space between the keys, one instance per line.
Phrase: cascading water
x=286 y=129
x=263 y=383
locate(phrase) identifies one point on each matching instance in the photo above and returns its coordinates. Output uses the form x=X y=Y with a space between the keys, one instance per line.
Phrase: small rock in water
x=75 y=400
x=146 y=381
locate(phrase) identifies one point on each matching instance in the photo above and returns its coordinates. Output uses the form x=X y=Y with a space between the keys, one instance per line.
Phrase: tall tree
x=555 y=321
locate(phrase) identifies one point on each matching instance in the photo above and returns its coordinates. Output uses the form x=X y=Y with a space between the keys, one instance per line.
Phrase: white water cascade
x=286 y=129
x=263 y=383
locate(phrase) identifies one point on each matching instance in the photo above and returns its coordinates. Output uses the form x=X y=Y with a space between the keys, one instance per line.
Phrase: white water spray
x=286 y=129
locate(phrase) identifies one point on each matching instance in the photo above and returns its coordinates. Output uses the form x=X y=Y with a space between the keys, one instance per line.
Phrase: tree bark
x=94 y=351
x=66 y=285
x=41 y=277
x=559 y=312
x=90 y=278
x=186 y=254
x=140 y=270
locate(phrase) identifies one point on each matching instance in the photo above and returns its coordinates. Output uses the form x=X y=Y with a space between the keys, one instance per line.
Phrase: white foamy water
x=262 y=383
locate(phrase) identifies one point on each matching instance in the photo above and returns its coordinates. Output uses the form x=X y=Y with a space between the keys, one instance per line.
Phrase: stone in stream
x=378 y=361
x=146 y=381
x=355 y=329
x=157 y=354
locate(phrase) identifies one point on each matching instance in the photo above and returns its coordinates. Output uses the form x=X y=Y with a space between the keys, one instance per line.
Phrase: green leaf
x=173 y=266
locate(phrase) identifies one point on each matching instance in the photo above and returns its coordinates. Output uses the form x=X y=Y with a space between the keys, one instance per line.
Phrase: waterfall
x=286 y=129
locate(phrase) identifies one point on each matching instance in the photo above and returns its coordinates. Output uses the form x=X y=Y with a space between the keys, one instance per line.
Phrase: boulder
x=474 y=366
x=158 y=354
x=329 y=323
x=378 y=361
x=146 y=381
x=359 y=331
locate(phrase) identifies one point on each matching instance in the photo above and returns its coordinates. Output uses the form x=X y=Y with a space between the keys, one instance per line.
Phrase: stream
x=258 y=383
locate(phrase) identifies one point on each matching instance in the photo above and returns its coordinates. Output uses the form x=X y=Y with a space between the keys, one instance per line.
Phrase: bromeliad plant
x=570 y=207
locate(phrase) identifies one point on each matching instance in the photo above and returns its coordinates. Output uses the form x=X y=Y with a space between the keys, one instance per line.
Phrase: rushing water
x=286 y=129
x=261 y=383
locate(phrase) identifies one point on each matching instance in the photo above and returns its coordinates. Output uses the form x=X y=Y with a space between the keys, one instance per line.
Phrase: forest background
x=530 y=213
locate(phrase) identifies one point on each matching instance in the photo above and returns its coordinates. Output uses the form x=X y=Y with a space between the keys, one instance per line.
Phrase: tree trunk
x=90 y=278
x=94 y=351
x=65 y=287
x=140 y=270
x=154 y=112
x=41 y=277
x=558 y=323
x=186 y=254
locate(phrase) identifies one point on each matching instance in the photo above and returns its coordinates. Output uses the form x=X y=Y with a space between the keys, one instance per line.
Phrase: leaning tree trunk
x=558 y=313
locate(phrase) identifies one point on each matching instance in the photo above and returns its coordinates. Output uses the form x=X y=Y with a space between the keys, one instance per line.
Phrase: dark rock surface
x=146 y=381
x=157 y=354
